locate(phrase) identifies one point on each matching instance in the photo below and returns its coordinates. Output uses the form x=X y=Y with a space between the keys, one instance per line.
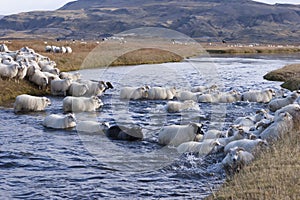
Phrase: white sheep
x=74 y=76
x=134 y=93
x=187 y=95
x=283 y=124
x=278 y=103
x=27 y=103
x=69 y=50
x=248 y=145
x=202 y=148
x=96 y=88
x=188 y=105
x=229 y=97
x=39 y=78
x=8 y=71
x=56 y=121
x=81 y=104
x=236 y=159
x=51 y=77
x=249 y=122
x=212 y=134
x=77 y=89
x=48 y=48
x=60 y=87
x=294 y=110
x=176 y=134
x=3 y=48
x=264 y=96
x=204 y=89
x=237 y=135
x=22 y=71
x=161 y=93
x=91 y=127
x=50 y=69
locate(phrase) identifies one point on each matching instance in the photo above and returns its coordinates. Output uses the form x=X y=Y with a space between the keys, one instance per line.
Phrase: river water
x=38 y=163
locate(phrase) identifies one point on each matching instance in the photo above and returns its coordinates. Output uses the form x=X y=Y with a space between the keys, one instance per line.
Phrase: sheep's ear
x=109 y=85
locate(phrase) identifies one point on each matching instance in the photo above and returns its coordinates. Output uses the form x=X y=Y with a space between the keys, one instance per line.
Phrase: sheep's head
x=46 y=101
x=197 y=130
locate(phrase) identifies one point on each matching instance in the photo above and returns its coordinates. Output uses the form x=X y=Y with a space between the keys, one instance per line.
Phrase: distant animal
x=202 y=148
x=134 y=93
x=161 y=93
x=264 y=96
x=60 y=87
x=77 y=89
x=96 y=88
x=176 y=106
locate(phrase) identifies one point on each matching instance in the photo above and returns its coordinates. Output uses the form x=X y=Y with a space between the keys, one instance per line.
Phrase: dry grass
x=289 y=74
x=275 y=174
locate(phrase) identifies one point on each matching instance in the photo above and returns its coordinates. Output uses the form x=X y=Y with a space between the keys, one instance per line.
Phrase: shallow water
x=36 y=163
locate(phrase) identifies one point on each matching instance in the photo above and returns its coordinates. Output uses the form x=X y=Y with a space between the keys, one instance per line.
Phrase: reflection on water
x=37 y=162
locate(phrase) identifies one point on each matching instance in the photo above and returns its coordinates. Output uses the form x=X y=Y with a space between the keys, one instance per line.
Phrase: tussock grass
x=275 y=174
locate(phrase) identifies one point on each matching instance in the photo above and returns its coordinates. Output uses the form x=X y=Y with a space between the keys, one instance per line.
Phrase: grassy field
x=275 y=174
x=289 y=74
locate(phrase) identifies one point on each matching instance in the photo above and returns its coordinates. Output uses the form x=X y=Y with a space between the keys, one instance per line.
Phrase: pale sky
x=16 y=6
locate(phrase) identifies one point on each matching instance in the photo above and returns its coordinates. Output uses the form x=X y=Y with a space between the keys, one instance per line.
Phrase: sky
x=8 y=7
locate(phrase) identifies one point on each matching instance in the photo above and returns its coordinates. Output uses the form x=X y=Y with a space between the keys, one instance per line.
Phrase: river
x=38 y=163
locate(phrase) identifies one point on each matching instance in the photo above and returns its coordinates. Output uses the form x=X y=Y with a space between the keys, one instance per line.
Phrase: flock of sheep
x=240 y=143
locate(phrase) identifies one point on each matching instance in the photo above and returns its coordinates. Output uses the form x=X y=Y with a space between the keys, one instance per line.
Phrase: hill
x=205 y=20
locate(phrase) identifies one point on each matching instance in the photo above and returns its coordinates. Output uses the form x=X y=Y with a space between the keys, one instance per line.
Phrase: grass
x=289 y=74
x=275 y=174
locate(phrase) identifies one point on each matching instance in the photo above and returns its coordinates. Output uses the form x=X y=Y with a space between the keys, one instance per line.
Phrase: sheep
x=56 y=121
x=176 y=134
x=50 y=77
x=50 y=69
x=75 y=76
x=69 y=50
x=201 y=148
x=294 y=110
x=31 y=67
x=118 y=132
x=3 y=48
x=60 y=87
x=134 y=93
x=249 y=122
x=187 y=95
x=96 y=88
x=39 y=79
x=77 y=89
x=278 y=103
x=45 y=63
x=91 y=127
x=236 y=159
x=81 y=104
x=248 y=145
x=207 y=98
x=188 y=105
x=283 y=124
x=238 y=135
x=48 y=48
x=22 y=71
x=230 y=97
x=63 y=49
x=212 y=134
x=161 y=93
x=27 y=103
x=264 y=96
x=8 y=71
x=203 y=89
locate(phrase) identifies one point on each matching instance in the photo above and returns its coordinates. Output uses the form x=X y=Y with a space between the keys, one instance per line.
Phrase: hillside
x=205 y=20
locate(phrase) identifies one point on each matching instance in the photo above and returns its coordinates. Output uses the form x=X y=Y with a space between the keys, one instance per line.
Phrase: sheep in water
x=236 y=159
x=134 y=93
x=264 y=96
x=77 y=89
x=96 y=88
x=276 y=104
x=92 y=127
x=188 y=105
x=56 y=121
x=187 y=95
x=283 y=124
x=81 y=104
x=60 y=87
x=177 y=134
x=161 y=93
x=202 y=148
x=27 y=103
x=248 y=145
x=118 y=132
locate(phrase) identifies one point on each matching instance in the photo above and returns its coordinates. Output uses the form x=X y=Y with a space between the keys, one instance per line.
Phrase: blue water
x=38 y=163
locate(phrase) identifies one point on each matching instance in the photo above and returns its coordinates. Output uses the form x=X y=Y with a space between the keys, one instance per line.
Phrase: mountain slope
x=207 y=20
